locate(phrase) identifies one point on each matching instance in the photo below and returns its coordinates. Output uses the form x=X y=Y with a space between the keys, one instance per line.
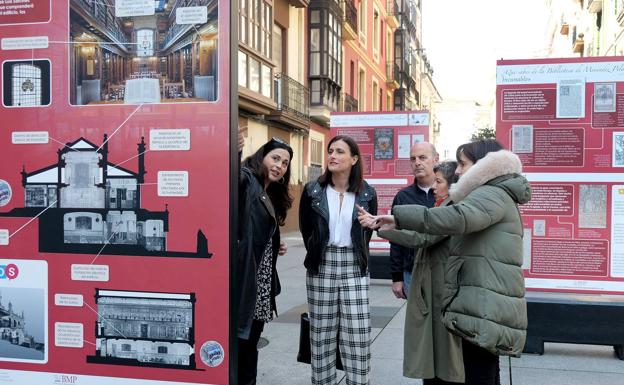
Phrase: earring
x=281 y=181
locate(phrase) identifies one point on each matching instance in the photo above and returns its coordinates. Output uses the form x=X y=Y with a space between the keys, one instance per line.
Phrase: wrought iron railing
x=392 y=8
x=392 y=72
x=292 y=97
x=103 y=14
x=350 y=14
x=350 y=103
x=177 y=28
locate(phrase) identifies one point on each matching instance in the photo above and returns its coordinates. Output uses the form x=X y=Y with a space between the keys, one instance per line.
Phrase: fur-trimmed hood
x=504 y=166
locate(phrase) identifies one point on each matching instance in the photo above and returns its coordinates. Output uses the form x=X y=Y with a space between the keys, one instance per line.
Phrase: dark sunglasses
x=280 y=141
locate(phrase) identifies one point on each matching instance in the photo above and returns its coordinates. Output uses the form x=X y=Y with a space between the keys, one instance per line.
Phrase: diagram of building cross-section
x=145 y=329
x=87 y=205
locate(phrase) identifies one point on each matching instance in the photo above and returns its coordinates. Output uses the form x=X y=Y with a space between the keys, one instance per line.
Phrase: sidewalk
x=561 y=364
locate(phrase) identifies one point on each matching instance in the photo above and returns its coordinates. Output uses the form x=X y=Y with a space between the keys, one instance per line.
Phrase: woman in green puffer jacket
x=484 y=285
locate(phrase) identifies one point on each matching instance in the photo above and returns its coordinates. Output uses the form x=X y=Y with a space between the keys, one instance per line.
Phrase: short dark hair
x=447 y=169
x=278 y=192
x=478 y=149
x=356 y=177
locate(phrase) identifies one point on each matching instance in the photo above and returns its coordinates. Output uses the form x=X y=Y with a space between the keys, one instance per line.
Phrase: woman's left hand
x=283 y=248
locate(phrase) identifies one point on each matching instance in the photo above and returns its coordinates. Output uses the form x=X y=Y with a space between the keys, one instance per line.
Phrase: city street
x=561 y=364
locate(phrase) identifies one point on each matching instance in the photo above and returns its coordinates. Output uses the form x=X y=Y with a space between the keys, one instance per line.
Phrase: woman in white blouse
x=337 y=264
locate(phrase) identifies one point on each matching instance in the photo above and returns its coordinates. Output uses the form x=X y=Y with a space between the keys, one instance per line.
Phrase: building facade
x=585 y=28
x=273 y=99
x=299 y=61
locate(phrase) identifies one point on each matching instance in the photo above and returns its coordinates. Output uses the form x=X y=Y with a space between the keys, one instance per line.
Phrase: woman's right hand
x=375 y=222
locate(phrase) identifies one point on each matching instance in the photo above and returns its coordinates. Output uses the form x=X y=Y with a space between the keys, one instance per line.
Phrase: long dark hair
x=478 y=149
x=356 y=177
x=279 y=193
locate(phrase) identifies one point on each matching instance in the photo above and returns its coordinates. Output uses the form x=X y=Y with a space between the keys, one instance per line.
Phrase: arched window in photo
x=26 y=83
x=145 y=41
x=26 y=80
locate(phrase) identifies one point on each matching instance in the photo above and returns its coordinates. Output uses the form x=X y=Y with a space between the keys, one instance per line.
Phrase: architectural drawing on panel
x=145 y=329
x=89 y=205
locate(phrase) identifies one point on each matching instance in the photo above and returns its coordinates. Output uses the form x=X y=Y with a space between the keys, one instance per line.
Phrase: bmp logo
x=64 y=379
x=9 y=271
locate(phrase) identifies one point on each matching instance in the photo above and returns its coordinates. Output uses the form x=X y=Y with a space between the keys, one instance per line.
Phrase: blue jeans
x=407 y=280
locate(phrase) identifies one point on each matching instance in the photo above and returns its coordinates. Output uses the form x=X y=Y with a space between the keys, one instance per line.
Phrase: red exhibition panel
x=385 y=140
x=114 y=192
x=565 y=119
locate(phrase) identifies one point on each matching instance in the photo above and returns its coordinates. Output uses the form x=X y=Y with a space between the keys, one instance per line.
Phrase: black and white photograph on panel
x=26 y=83
x=143 y=51
x=618 y=149
x=23 y=311
x=145 y=329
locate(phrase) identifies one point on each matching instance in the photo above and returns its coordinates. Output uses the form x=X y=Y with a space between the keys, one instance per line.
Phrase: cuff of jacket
x=397 y=277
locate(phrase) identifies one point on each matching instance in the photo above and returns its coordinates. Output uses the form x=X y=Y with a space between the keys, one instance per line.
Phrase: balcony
x=392 y=11
x=299 y=3
x=99 y=15
x=350 y=103
x=350 y=22
x=293 y=103
x=328 y=99
x=392 y=75
x=594 y=6
x=579 y=44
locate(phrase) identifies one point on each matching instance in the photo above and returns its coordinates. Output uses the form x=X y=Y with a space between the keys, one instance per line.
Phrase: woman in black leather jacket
x=263 y=202
x=337 y=264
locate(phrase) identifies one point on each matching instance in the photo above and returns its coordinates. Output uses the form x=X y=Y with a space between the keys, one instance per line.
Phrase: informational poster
x=114 y=192
x=565 y=120
x=385 y=140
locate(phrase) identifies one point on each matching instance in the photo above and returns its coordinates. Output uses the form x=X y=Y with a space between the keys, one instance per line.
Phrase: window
x=83 y=223
x=374 y=95
x=316 y=159
x=254 y=75
x=325 y=54
x=243 y=19
x=26 y=85
x=316 y=152
x=242 y=69
x=389 y=44
x=376 y=34
x=361 y=90
x=145 y=42
x=265 y=81
x=277 y=48
x=162 y=350
x=256 y=25
x=362 y=21
x=256 y=28
x=125 y=347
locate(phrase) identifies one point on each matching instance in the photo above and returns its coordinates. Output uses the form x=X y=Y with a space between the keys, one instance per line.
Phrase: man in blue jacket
x=423 y=156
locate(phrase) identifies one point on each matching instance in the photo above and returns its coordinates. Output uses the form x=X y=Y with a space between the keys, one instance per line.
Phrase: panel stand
x=574 y=318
